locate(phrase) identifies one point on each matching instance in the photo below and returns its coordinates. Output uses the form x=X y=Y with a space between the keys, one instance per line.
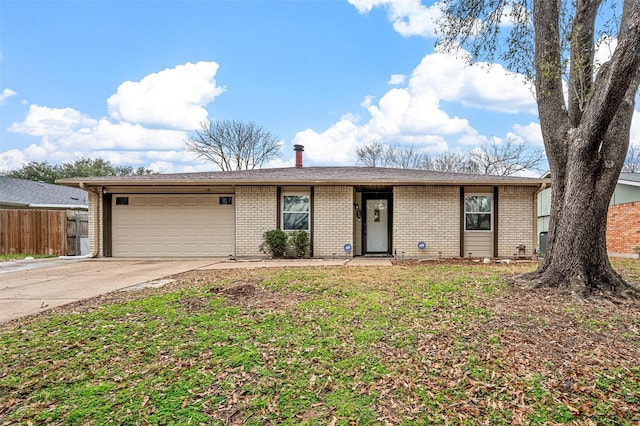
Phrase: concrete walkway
x=297 y=263
x=32 y=286
x=273 y=263
x=370 y=261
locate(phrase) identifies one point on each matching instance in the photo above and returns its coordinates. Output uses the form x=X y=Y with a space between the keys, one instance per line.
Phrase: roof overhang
x=95 y=184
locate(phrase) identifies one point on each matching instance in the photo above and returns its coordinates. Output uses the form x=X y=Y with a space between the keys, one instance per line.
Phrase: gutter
x=314 y=182
x=60 y=206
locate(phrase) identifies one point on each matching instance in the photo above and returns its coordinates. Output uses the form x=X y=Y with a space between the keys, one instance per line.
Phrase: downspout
x=94 y=213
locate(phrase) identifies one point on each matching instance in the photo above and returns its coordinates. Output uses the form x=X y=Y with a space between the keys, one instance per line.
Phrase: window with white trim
x=296 y=212
x=477 y=213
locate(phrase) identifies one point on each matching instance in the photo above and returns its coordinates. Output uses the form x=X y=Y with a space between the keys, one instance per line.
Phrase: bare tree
x=492 y=158
x=586 y=137
x=378 y=154
x=452 y=161
x=632 y=162
x=234 y=145
x=374 y=154
x=505 y=158
x=410 y=158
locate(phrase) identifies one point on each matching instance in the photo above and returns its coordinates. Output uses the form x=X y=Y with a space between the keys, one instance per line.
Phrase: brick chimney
x=298 y=149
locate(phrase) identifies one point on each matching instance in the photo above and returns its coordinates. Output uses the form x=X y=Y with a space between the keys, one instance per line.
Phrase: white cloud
x=530 y=133
x=412 y=114
x=148 y=124
x=45 y=121
x=605 y=47
x=124 y=136
x=480 y=85
x=396 y=79
x=11 y=160
x=6 y=94
x=172 y=98
x=335 y=145
x=408 y=17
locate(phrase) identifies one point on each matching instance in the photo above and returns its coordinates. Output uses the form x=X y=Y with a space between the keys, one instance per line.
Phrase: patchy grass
x=420 y=344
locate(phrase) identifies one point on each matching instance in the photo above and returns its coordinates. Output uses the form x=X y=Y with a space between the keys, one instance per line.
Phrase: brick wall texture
x=96 y=234
x=426 y=213
x=256 y=213
x=420 y=213
x=623 y=228
x=332 y=220
x=515 y=220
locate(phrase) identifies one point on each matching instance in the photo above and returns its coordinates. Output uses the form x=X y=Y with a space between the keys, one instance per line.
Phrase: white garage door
x=180 y=225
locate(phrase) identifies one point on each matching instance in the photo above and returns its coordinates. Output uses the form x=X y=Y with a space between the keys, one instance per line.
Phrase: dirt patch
x=251 y=295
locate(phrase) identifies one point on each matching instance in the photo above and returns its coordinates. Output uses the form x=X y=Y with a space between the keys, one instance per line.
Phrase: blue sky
x=129 y=80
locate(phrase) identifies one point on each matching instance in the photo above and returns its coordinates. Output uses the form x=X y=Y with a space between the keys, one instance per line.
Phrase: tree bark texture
x=586 y=144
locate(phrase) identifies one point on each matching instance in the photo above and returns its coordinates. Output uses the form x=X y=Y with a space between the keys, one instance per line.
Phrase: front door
x=377 y=225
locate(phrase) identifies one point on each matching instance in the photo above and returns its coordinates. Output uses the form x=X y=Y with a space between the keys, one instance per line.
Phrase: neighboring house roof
x=632 y=179
x=28 y=193
x=307 y=176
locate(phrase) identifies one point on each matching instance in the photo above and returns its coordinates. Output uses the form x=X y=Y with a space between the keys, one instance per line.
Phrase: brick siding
x=515 y=219
x=623 y=228
x=426 y=213
x=256 y=212
x=332 y=220
x=95 y=224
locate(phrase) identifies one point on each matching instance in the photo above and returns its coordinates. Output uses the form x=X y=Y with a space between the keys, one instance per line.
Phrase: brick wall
x=96 y=221
x=515 y=220
x=332 y=220
x=256 y=212
x=426 y=213
x=623 y=228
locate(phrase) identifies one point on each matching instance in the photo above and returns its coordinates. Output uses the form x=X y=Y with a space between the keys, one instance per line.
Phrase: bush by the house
x=278 y=243
x=274 y=242
x=300 y=241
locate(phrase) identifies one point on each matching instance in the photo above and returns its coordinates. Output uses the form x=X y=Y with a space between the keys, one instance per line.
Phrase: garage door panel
x=173 y=226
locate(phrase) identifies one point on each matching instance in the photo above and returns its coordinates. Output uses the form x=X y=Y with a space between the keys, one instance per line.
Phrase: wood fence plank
x=30 y=231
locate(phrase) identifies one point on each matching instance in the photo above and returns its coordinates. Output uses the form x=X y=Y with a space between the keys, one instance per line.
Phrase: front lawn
x=417 y=344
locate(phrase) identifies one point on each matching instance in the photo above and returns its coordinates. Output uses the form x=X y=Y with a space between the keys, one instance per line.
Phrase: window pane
x=296 y=203
x=296 y=221
x=478 y=222
x=477 y=203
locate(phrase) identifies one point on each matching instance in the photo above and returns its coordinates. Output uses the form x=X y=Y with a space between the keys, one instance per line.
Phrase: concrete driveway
x=32 y=286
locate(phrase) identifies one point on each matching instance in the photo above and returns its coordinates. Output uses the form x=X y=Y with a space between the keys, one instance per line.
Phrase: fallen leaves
x=425 y=344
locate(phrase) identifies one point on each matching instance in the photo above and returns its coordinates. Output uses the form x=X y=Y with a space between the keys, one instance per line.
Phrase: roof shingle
x=28 y=193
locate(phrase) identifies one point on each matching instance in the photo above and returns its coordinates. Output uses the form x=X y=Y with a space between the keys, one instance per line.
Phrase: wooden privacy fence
x=42 y=232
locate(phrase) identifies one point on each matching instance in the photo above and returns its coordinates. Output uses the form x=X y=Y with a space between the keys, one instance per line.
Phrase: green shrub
x=300 y=241
x=274 y=242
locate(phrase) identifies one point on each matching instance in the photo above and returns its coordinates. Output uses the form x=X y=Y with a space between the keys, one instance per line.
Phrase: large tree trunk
x=586 y=145
x=576 y=261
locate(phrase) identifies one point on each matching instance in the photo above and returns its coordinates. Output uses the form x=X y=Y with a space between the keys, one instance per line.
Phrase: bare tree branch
x=632 y=162
x=505 y=158
x=451 y=161
x=374 y=154
x=234 y=145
